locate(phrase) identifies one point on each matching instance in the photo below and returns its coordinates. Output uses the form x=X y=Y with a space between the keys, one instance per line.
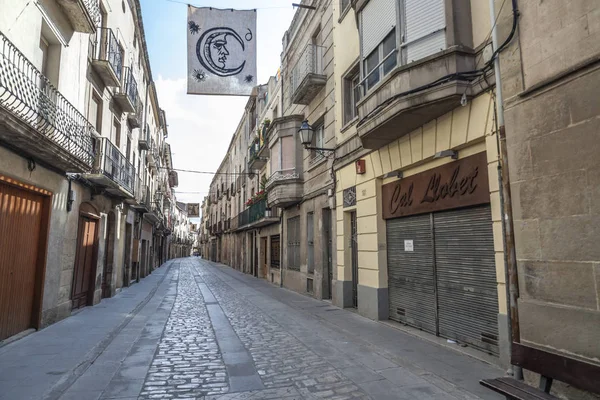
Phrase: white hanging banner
x=221 y=51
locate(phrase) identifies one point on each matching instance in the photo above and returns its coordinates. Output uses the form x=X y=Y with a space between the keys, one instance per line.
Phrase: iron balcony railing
x=28 y=94
x=130 y=86
x=253 y=213
x=104 y=46
x=93 y=9
x=116 y=166
x=310 y=62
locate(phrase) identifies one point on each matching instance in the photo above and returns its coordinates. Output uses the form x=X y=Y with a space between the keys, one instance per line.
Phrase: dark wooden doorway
x=85 y=262
x=263 y=257
x=354 y=254
x=24 y=216
x=327 y=253
x=127 y=278
x=109 y=247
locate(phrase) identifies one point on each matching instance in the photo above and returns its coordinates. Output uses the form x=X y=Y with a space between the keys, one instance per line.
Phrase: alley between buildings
x=200 y=330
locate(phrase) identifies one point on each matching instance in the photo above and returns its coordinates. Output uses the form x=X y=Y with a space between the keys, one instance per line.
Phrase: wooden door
x=263 y=257
x=22 y=220
x=85 y=263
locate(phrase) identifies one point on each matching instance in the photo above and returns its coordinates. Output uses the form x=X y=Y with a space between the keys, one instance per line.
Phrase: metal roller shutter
x=466 y=277
x=425 y=28
x=411 y=285
x=377 y=19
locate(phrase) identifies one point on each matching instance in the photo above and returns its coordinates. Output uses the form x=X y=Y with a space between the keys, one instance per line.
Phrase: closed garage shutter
x=466 y=277
x=410 y=273
x=20 y=224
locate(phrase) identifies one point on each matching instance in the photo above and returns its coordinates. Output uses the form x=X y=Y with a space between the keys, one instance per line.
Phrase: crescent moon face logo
x=213 y=51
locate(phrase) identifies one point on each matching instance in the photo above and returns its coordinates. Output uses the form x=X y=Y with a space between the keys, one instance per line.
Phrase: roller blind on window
x=425 y=28
x=377 y=19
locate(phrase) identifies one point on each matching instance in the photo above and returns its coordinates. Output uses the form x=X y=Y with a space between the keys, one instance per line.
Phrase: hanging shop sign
x=457 y=184
x=193 y=210
x=221 y=51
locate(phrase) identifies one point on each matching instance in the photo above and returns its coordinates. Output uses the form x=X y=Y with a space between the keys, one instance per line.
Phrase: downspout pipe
x=510 y=258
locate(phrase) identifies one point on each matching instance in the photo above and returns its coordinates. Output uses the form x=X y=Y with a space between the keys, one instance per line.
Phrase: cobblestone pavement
x=188 y=363
x=281 y=360
x=232 y=337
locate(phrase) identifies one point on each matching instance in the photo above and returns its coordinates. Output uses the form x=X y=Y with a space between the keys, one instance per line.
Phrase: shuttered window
x=378 y=18
x=425 y=28
x=422 y=33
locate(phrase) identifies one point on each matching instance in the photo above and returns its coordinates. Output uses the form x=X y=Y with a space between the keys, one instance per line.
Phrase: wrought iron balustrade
x=105 y=47
x=27 y=94
x=115 y=165
x=130 y=85
x=310 y=62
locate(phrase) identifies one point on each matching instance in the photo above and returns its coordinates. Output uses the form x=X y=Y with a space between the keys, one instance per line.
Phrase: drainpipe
x=510 y=258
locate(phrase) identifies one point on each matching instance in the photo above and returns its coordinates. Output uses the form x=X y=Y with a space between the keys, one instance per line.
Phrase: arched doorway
x=109 y=250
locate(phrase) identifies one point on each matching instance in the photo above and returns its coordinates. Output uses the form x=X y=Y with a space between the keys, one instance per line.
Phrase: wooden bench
x=550 y=366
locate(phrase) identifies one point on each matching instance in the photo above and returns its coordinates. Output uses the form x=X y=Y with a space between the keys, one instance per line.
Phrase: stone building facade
x=550 y=80
x=82 y=141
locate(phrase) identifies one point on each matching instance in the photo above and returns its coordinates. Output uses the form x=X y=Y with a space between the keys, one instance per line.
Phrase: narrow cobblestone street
x=200 y=330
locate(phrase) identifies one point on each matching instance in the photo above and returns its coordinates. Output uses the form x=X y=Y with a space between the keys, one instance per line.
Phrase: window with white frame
x=396 y=32
x=318 y=141
x=351 y=93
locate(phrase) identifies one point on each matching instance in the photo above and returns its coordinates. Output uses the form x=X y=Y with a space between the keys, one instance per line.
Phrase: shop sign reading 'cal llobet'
x=457 y=184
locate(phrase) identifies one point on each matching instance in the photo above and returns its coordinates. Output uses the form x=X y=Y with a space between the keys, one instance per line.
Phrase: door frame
x=38 y=296
x=87 y=210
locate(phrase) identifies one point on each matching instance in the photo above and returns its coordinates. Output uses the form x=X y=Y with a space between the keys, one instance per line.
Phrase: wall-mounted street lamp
x=306 y=133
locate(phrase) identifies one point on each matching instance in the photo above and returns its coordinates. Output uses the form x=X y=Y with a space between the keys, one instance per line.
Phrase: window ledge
x=349 y=124
x=315 y=162
x=408 y=66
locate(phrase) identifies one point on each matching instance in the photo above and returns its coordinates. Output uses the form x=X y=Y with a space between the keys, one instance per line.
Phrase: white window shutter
x=377 y=19
x=425 y=28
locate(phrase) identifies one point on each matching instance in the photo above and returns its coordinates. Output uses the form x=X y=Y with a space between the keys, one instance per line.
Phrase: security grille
x=293 y=250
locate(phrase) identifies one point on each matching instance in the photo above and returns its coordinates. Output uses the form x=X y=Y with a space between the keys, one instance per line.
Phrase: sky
x=201 y=127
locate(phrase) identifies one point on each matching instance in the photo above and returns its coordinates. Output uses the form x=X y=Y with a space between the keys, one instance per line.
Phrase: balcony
x=113 y=171
x=106 y=56
x=84 y=15
x=37 y=120
x=254 y=216
x=135 y=118
x=284 y=188
x=144 y=201
x=254 y=160
x=386 y=117
x=152 y=157
x=137 y=192
x=308 y=75
x=144 y=139
x=127 y=97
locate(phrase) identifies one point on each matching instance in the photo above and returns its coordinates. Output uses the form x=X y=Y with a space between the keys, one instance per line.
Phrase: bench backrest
x=580 y=374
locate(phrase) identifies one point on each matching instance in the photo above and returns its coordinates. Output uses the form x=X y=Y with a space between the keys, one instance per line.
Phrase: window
x=386 y=52
x=344 y=4
x=351 y=94
x=115 y=136
x=51 y=49
x=293 y=239
x=95 y=111
x=318 y=141
x=128 y=148
x=422 y=33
